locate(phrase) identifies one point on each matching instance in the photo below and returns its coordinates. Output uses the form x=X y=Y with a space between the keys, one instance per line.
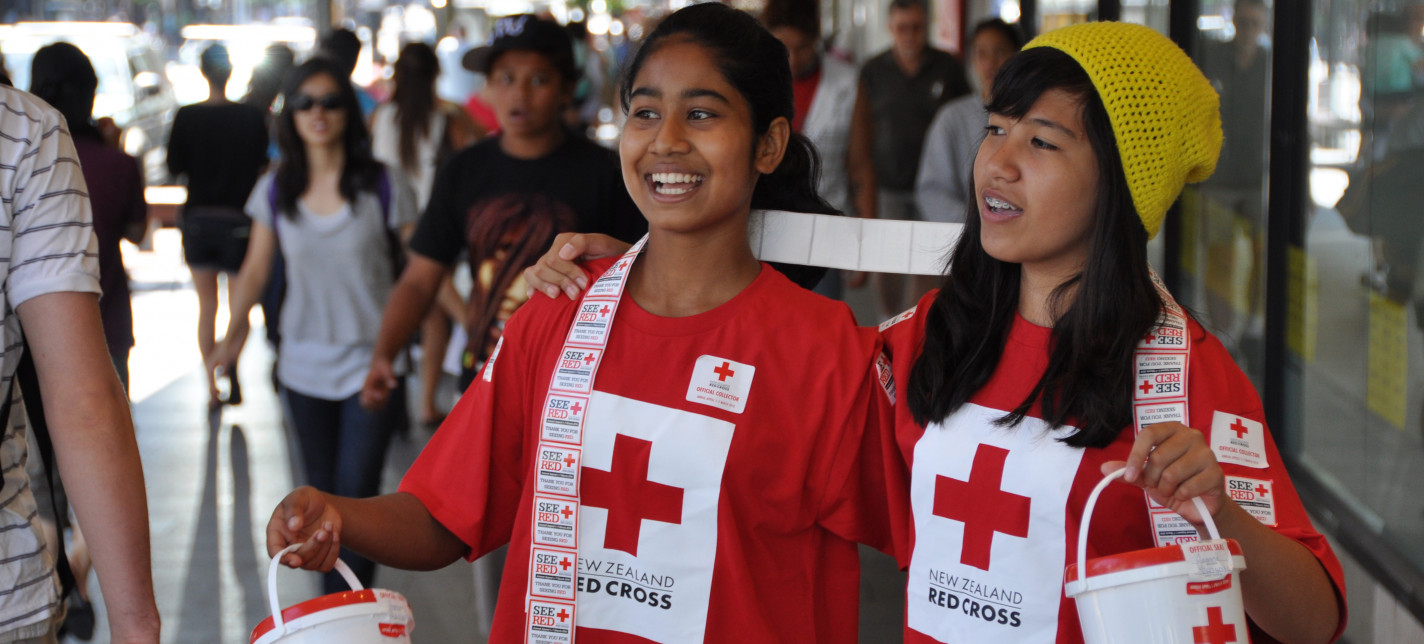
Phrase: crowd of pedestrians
x=356 y=224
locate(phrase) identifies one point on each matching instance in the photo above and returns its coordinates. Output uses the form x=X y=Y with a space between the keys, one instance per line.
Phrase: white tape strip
x=851 y=243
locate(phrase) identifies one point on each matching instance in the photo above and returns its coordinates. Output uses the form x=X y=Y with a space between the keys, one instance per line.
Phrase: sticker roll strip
x=1160 y=367
x=551 y=595
x=852 y=243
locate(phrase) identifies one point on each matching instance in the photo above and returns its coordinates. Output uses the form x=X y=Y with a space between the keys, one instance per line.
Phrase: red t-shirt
x=1023 y=481
x=729 y=520
x=803 y=92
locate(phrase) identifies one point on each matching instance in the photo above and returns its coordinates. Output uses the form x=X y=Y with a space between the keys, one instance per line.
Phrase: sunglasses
x=302 y=102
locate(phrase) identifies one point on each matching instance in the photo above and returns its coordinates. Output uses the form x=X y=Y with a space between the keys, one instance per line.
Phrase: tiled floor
x=213 y=481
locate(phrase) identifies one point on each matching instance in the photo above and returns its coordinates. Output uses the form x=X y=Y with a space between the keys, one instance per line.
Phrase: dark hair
x=1010 y=32
x=62 y=76
x=802 y=15
x=907 y=4
x=758 y=66
x=343 y=45
x=1089 y=376
x=490 y=222
x=267 y=76
x=360 y=172
x=577 y=30
x=414 y=97
x=215 y=64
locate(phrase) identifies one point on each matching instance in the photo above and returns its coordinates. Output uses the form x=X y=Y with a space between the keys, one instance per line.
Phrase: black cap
x=524 y=32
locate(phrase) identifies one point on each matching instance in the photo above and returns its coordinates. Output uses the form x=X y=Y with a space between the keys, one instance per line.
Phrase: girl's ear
x=772 y=146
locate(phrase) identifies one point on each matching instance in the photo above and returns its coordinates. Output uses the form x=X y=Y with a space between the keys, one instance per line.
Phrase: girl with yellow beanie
x=1052 y=355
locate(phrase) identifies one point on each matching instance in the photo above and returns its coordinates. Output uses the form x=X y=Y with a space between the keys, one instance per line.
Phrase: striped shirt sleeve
x=53 y=248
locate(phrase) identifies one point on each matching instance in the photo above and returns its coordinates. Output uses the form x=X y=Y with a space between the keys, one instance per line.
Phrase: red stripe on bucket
x=314 y=606
x=1137 y=559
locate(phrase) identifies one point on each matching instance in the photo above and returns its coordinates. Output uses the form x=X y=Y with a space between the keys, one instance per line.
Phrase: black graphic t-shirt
x=579 y=174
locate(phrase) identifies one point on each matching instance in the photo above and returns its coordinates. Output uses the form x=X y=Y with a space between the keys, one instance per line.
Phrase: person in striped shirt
x=49 y=257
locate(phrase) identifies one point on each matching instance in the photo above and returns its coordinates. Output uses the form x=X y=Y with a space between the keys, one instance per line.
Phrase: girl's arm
x=395 y=530
x=557 y=271
x=1285 y=589
x=246 y=289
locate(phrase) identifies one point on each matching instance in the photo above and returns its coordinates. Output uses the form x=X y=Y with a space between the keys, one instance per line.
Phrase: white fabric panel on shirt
x=851 y=243
x=990 y=506
x=662 y=593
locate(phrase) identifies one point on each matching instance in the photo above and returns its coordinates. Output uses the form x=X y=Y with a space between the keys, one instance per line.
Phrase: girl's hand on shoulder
x=558 y=272
x=305 y=517
x=1173 y=463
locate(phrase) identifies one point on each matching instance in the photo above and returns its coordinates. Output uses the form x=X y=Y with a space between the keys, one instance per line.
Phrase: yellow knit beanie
x=1164 y=112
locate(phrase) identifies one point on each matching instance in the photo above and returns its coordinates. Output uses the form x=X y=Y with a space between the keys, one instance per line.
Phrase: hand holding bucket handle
x=1093 y=501
x=276 y=605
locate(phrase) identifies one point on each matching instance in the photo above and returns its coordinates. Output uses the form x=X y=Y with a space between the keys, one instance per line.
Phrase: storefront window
x=1053 y=14
x=1152 y=13
x=1358 y=279
x=1224 y=218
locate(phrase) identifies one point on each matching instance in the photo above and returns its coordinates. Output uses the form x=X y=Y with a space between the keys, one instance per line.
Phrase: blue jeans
x=344 y=450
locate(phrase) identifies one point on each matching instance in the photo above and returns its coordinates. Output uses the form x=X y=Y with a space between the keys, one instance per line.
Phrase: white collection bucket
x=1188 y=593
x=356 y=616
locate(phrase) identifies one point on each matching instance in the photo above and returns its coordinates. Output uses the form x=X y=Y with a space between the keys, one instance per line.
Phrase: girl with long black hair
x=1051 y=356
x=691 y=438
x=335 y=214
x=415 y=132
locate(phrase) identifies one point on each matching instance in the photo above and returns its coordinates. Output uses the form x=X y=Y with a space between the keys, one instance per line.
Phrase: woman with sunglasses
x=334 y=213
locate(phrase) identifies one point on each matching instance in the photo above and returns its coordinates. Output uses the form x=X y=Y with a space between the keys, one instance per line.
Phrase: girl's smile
x=674 y=184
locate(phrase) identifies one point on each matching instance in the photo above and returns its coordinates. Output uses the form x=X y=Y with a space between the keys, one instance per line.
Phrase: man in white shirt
x=824 y=89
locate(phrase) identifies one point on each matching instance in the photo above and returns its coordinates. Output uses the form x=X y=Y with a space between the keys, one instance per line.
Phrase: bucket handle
x=1093 y=501
x=279 y=625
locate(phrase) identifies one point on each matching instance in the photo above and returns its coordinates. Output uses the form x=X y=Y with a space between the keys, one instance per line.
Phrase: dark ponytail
x=758 y=65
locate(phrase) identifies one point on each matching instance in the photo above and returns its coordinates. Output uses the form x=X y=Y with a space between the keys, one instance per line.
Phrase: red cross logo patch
x=720 y=382
x=1238 y=440
x=982 y=506
x=629 y=496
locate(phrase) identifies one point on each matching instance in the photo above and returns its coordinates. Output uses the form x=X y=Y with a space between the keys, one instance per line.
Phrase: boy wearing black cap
x=531 y=75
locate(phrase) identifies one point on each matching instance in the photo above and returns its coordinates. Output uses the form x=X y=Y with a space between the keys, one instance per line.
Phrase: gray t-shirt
x=943 y=187
x=339 y=276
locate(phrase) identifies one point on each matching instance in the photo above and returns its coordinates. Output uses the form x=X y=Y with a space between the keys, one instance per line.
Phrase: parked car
x=133 y=89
